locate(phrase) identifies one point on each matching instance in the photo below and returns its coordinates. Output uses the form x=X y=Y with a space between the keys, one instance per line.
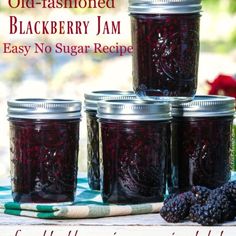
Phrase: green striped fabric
x=88 y=204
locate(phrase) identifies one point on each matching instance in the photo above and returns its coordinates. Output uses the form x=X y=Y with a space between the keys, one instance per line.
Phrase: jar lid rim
x=44 y=108
x=92 y=98
x=133 y=110
x=206 y=105
x=165 y=6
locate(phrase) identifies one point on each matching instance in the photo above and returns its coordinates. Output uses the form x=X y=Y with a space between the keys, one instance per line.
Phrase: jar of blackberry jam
x=44 y=144
x=165 y=37
x=202 y=139
x=134 y=148
x=91 y=100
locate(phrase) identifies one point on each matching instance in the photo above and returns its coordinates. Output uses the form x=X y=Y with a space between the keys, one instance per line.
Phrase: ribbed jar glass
x=91 y=100
x=165 y=37
x=134 y=148
x=202 y=143
x=44 y=145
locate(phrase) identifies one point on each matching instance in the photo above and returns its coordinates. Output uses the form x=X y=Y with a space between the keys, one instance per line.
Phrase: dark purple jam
x=44 y=160
x=134 y=155
x=166 y=52
x=93 y=151
x=201 y=152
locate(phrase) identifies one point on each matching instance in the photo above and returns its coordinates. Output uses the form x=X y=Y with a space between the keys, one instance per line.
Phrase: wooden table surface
x=135 y=220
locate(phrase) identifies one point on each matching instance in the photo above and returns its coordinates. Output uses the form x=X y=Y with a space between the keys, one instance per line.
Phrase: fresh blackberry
x=215 y=193
x=207 y=215
x=190 y=198
x=194 y=212
x=230 y=190
x=201 y=194
x=170 y=197
x=175 y=209
x=219 y=199
x=232 y=213
x=202 y=205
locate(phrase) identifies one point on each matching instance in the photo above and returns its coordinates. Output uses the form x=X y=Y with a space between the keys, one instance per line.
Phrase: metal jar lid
x=92 y=99
x=164 y=6
x=57 y=109
x=133 y=110
x=205 y=106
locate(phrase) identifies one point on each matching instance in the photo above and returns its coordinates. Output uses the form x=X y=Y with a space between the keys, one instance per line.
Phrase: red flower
x=223 y=85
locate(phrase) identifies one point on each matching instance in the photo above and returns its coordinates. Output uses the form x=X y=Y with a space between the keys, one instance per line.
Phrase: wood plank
x=136 y=220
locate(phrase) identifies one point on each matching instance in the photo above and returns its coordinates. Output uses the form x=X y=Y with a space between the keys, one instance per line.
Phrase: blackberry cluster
x=176 y=207
x=202 y=205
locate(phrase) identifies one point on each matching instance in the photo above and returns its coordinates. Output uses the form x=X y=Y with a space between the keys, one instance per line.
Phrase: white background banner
x=115 y=231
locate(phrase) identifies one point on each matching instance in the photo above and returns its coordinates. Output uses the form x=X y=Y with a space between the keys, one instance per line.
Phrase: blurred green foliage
x=232 y=6
x=216 y=5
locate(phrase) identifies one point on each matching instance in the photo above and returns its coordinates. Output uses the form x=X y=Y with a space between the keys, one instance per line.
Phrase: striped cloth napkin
x=88 y=204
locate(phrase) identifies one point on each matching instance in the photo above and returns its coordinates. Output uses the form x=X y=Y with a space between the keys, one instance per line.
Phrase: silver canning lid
x=165 y=6
x=206 y=106
x=133 y=110
x=44 y=109
x=92 y=99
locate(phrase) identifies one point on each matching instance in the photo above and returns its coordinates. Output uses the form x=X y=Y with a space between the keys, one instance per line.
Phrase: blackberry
x=230 y=190
x=215 y=194
x=190 y=198
x=194 y=212
x=202 y=205
x=170 y=197
x=207 y=215
x=175 y=211
x=176 y=208
x=217 y=191
x=201 y=194
x=220 y=200
x=232 y=213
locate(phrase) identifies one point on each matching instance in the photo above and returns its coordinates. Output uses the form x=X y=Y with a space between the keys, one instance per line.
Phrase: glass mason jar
x=91 y=100
x=44 y=145
x=202 y=142
x=165 y=37
x=134 y=147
